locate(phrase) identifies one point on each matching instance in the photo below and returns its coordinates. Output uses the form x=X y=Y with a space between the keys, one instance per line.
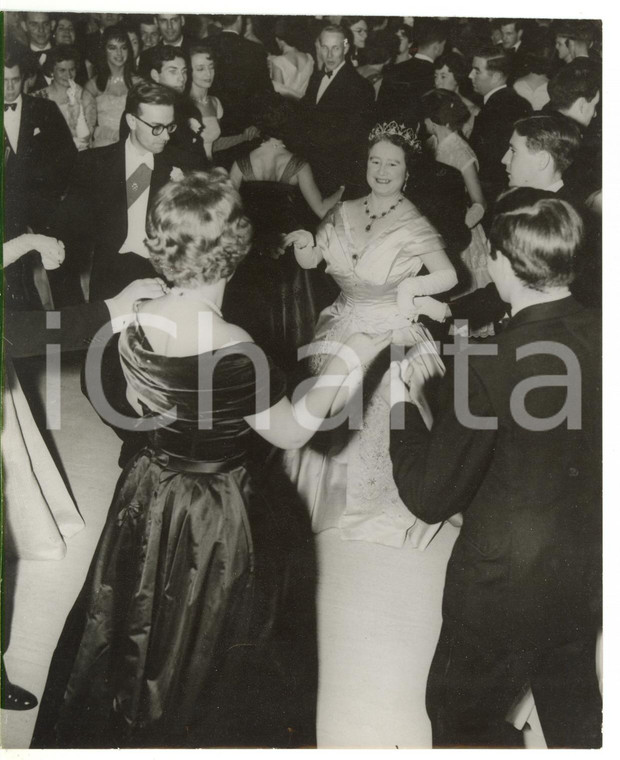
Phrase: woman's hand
x=474 y=215
x=300 y=239
x=250 y=133
x=52 y=251
x=431 y=307
x=405 y=293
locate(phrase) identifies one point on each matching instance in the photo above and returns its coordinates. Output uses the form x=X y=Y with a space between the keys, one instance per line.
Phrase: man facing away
x=516 y=447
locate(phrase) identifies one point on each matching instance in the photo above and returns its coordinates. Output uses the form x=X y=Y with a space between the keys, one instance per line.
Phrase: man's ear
x=544 y=159
x=346 y=45
x=53 y=23
x=182 y=20
x=131 y=121
x=155 y=75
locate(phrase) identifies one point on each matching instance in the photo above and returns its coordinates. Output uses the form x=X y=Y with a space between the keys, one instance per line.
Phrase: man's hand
x=121 y=306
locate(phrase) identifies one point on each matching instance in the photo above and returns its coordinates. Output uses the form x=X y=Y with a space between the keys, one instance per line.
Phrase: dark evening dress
x=193 y=628
x=270 y=295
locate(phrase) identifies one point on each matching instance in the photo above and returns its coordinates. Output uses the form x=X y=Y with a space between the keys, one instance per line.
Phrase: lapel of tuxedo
x=313 y=87
x=159 y=177
x=26 y=126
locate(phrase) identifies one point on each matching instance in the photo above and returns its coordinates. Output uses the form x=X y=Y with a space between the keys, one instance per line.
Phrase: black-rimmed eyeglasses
x=157 y=129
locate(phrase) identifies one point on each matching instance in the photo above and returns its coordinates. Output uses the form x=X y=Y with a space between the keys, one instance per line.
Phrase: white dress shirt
x=136 y=213
x=12 y=120
x=326 y=81
x=422 y=57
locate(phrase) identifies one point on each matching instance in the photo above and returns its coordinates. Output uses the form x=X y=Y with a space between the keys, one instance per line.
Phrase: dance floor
x=44 y=591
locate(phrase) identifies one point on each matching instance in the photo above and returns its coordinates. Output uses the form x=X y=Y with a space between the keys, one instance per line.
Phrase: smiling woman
x=108 y=89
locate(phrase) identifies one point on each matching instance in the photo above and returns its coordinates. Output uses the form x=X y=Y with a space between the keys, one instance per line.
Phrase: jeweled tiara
x=392 y=128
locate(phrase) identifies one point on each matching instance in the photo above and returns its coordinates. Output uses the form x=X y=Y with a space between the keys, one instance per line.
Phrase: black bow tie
x=12 y=106
x=329 y=74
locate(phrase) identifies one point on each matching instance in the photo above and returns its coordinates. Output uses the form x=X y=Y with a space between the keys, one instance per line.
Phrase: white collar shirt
x=326 y=81
x=12 y=120
x=555 y=186
x=136 y=213
x=422 y=57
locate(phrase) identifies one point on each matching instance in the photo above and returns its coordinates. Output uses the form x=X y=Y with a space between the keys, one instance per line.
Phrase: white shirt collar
x=177 y=44
x=422 y=57
x=488 y=95
x=335 y=71
x=232 y=31
x=36 y=49
x=555 y=186
x=133 y=158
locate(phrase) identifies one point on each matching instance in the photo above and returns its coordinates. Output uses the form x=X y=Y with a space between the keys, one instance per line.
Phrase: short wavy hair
x=196 y=230
x=539 y=234
x=558 y=135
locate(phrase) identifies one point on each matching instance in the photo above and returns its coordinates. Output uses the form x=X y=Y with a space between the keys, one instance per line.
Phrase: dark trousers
x=471 y=687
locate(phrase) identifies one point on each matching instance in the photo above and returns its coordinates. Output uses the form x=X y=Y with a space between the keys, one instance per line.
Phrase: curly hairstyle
x=59 y=54
x=196 y=229
x=539 y=234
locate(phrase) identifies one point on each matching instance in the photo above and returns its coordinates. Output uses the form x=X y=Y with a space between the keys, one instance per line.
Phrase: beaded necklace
x=373 y=217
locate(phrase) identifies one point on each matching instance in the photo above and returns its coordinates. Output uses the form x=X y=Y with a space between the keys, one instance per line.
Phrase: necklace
x=194 y=295
x=373 y=217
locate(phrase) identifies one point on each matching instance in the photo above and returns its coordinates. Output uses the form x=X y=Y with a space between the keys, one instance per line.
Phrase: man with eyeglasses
x=119 y=182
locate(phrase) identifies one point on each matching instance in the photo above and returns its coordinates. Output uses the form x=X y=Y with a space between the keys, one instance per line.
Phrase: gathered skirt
x=181 y=635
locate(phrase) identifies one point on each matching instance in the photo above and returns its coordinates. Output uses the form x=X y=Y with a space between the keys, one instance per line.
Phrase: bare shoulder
x=225 y=332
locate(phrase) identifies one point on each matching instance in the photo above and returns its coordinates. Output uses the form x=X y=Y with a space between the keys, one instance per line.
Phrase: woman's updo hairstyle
x=446 y=108
x=276 y=119
x=196 y=230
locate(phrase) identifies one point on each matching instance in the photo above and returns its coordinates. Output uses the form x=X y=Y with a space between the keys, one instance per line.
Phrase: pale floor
x=46 y=590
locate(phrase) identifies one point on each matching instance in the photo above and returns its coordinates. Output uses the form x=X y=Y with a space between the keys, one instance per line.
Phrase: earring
x=404 y=187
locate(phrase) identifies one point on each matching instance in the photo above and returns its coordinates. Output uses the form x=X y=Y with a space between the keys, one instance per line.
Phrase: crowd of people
x=352 y=235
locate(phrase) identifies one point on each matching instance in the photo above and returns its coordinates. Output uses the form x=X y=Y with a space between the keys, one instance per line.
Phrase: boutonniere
x=176 y=174
x=36 y=132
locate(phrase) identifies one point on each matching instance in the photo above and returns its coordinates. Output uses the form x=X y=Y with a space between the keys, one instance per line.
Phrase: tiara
x=392 y=128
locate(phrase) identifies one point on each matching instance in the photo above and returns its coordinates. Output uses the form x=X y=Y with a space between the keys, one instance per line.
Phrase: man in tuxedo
x=38 y=28
x=39 y=154
x=172 y=31
x=493 y=125
x=150 y=36
x=119 y=182
x=512 y=34
x=338 y=113
x=540 y=151
x=516 y=447
x=241 y=81
x=404 y=84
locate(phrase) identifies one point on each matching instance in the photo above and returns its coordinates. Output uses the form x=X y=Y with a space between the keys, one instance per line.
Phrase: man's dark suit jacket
x=100 y=180
x=525 y=570
x=241 y=81
x=334 y=131
x=37 y=175
x=402 y=88
x=491 y=134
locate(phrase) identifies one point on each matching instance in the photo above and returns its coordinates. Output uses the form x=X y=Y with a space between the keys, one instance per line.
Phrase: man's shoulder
x=507 y=99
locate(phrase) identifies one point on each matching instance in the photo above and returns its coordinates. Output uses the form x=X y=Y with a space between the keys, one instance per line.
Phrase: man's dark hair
x=227 y=21
x=580 y=31
x=146 y=18
x=428 y=31
x=578 y=79
x=13 y=57
x=496 y=60
x=162 y=53
x=148 y=93
x=539 y=234
x=559 y=136
x=516 y=21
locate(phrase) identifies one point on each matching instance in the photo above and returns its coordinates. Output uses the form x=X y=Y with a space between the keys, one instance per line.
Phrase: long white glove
x=52 y=251
x=435 y=282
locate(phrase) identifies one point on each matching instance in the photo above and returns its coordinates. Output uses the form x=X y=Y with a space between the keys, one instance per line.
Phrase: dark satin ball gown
x=195 y=624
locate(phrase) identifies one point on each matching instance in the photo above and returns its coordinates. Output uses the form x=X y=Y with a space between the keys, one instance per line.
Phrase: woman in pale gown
x=451 y=74
x=211 y=109
x=109 y=88
x=292 y=69
x=63 y=61
x=381 y=571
